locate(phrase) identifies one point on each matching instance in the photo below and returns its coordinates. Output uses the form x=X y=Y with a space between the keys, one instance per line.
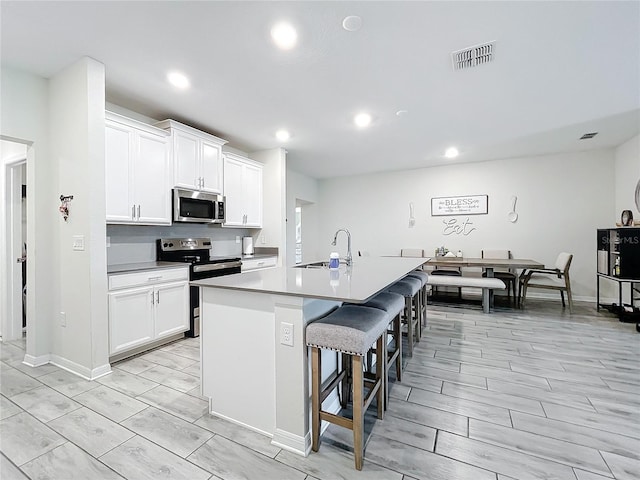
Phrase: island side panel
x=293 y=372
x=238 y=358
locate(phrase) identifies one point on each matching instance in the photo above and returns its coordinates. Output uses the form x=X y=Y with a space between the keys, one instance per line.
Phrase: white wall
x=627 y=168
x=77 y=123
x=24 y=116
x=562 y=200
x=274 y=181
x=63 y=119
x=302 y=190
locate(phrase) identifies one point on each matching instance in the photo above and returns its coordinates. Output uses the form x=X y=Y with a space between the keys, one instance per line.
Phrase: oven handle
x=215 y=266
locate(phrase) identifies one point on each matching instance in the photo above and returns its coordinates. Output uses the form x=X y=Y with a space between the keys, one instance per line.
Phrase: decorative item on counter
x=441 y=251
x=64 y=207
x=412 y=220
x=626 y=218
x=334 y=260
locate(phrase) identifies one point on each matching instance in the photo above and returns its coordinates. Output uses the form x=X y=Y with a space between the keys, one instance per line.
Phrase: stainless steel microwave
x=197 y=207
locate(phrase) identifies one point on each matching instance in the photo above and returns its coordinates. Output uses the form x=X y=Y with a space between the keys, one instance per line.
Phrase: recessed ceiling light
x=451 y=152
x=401 y=113
x=362 y=120
x=283 y=135
x=352 y=23
x=178 y=80
x=284 y=35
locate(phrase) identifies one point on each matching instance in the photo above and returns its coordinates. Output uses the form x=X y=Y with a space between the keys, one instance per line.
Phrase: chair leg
x=418 y=317
x=346 y=381
x=382 y=398
x=562 y=297
x=358 y=414
x=397 y=334
x=523 y=293
x=407 y=315
x=316 y=381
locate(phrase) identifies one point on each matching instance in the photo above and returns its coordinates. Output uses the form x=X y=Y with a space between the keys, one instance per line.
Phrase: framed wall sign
x=463 y=205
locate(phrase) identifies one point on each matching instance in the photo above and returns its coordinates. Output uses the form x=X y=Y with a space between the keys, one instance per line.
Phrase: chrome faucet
x=348 y=258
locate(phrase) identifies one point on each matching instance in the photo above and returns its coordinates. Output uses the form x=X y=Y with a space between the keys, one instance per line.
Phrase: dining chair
x=506 y=275
x=548 y=278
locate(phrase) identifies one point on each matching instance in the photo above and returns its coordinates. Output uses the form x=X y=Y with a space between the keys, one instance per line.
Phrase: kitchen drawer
x=258 y=263
x=147 y=277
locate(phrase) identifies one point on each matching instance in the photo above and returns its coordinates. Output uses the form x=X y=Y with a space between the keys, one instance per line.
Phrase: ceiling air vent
x=473 y=56
x=587 y=136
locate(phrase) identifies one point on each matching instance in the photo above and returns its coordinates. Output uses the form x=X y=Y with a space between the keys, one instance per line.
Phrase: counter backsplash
x=137 y=244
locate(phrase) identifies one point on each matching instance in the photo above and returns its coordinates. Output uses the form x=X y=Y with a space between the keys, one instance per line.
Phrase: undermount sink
x=323 y=264
x=314 y=265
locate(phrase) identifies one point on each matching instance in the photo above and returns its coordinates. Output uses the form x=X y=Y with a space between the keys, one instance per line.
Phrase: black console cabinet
x=619 y=252
x=619 y=261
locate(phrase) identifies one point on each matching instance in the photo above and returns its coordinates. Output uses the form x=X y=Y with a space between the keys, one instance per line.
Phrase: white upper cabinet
x=243 y=191
x=137 y=172
x=197 y=157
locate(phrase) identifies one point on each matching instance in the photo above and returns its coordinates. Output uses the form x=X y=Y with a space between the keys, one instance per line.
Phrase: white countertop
x=366 y=277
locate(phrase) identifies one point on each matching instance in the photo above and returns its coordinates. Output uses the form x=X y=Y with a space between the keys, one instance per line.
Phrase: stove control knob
x=171 y=244
x=165 y=244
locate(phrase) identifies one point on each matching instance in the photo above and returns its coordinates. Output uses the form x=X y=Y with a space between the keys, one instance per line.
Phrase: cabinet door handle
x=158 y=297
x=150 y=279
x=133 y=212
x=201 y=182
x=152 y=298
x=138 y=212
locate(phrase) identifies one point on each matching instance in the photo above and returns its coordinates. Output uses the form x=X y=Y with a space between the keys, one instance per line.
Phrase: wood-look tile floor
x=534 y=394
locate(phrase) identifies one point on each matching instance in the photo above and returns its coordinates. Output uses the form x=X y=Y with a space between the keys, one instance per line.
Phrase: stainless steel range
x=197 y=252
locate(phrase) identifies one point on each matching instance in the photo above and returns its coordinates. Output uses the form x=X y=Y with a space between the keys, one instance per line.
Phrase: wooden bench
x=485 y=283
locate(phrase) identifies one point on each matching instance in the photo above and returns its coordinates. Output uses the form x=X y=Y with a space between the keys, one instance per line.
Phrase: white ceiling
x=561 y=69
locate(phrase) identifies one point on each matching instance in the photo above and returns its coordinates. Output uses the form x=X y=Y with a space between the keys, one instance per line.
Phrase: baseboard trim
x=292 y=443
x=80 y=370
x=38 y=361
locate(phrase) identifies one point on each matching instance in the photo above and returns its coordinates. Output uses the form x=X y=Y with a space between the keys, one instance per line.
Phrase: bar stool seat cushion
x=392 y=303
x=422 y=276
x=407 y=287
x=349 y=329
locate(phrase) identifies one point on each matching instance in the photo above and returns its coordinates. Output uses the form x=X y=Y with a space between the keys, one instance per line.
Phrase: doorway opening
x=13 y=215
x=298 y=234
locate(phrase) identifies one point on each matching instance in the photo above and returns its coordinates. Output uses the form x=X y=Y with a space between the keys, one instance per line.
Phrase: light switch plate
x=78 y=242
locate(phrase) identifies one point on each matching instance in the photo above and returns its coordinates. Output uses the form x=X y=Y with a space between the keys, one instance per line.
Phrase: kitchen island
x=254 y=365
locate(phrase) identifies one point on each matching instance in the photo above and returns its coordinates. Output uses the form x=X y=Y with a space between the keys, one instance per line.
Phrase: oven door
x=194 y=207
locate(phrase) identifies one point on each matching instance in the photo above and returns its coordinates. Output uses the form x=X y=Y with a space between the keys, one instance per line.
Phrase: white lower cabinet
x=172 y=308
x=130 y=318
x=147 y=306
